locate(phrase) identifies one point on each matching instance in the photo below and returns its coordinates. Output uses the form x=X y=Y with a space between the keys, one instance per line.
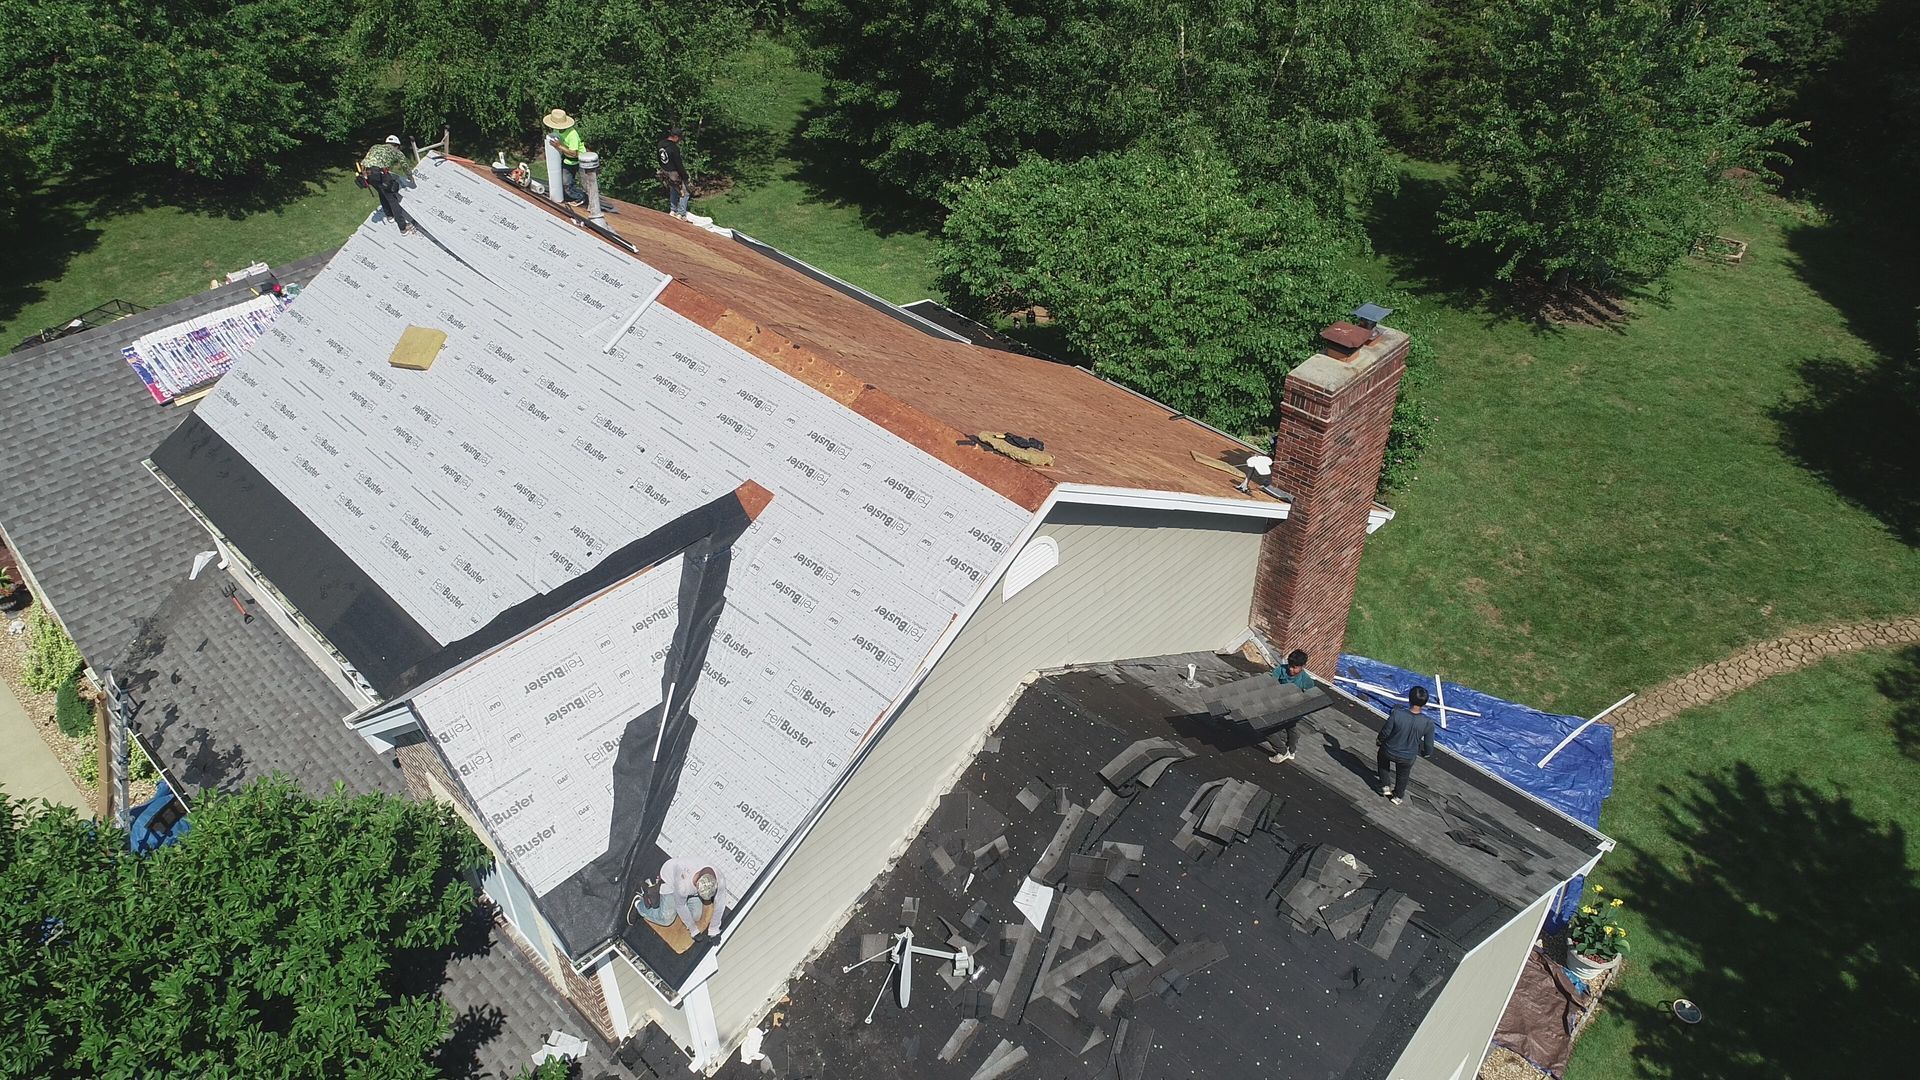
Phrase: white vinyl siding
x=1129 y=583
x=1460 y=1025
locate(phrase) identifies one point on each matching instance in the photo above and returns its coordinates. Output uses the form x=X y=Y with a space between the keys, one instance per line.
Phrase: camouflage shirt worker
x=385 y=155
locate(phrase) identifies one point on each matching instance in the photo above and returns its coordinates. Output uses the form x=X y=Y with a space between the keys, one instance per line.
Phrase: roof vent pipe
x=556 y=177
x=590 y=180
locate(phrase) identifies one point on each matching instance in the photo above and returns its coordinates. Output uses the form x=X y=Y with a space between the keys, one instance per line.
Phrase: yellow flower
x=1609 y=930
x=1616 y=902
x=1599 y=888
x=1589 y=909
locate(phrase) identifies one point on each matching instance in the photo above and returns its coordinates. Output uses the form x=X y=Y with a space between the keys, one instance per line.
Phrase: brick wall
x=1333 y=436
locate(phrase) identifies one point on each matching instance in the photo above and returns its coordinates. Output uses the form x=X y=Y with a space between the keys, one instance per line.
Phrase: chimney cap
x=1371 y=315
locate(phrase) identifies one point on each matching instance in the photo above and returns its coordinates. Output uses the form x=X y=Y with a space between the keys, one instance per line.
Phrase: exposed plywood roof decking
x=1098 y=433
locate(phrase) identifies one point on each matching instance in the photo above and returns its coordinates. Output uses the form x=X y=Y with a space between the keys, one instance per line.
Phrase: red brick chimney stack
x=1333 y=437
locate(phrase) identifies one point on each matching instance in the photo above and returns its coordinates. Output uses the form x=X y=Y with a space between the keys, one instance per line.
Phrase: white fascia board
x=1096 y=495
x=384 y=729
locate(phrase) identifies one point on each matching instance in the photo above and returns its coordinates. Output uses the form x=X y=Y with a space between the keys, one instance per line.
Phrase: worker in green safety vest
x=564 y=133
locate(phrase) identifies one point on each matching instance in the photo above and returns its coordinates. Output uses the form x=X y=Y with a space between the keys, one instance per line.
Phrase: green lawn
x=93 y=241
x=790 y=196
x=1606 y=507
x=1770 y=857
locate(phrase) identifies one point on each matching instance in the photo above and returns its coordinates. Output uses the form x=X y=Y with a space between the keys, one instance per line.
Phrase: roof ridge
x=1023 y=484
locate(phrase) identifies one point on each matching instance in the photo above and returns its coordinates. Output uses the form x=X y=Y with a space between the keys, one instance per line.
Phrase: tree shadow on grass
x=833 y=176
x=1404 y=227
x=1901 y=685
x=1853 y=426
x=1790 y=922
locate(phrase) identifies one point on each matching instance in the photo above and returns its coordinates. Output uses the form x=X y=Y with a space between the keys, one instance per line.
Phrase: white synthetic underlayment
x=524 y=455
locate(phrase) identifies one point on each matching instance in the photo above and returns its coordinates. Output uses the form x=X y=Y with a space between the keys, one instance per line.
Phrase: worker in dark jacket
x=381 y=170
x=673 y=173
x=1406 y=733
x=1284 y=742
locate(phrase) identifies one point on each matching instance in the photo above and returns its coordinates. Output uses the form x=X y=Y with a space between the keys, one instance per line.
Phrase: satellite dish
x=901 y=954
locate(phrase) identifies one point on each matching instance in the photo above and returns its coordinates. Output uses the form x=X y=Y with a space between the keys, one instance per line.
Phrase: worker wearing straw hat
x=564 y=133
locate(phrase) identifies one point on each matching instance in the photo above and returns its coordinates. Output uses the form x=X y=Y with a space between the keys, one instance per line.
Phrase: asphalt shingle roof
x=221 y=700
x=78 y=507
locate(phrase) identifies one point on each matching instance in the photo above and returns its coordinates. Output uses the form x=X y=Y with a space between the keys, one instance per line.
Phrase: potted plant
x=1595 y=942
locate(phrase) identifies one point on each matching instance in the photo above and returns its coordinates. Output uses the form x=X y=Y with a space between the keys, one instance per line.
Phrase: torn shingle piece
x=1130 y=1058
x=1382 y=933
x=1028 y=798
x=1073 y=1036
x=1051 y=866
x=957 y=1043
x=1345 y=916
x=1086 y=871
x=1001 y=1064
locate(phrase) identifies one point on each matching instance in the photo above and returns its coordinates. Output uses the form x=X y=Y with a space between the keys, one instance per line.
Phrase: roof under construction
x=1148 y=896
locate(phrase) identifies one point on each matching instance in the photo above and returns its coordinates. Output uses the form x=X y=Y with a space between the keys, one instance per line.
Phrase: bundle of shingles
x=1326 y=888
x=1260 y=703
x=1221 y=813
x=1100 y=949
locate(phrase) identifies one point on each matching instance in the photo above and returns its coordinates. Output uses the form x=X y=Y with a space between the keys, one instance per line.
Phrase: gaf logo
x=815 y=567
x=554 y=673
x=807 y=697
x=799 y=599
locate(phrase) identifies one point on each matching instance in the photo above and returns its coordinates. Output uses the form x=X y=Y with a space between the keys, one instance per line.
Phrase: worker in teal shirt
x=1287 y=739
x=563 y=131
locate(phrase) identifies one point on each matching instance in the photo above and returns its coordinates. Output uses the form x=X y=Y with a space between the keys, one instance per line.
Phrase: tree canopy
x=1604 y=136
x=1158 y=268
x=268 y=942
x=923 y=94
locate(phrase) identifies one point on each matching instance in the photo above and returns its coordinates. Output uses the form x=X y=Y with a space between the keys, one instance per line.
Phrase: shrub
x=73 y=712
x=51 y=655
x=1594 y=931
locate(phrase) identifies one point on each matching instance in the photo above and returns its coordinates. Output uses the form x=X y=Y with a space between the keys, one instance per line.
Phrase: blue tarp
x=1508 y=740
x=157 y=822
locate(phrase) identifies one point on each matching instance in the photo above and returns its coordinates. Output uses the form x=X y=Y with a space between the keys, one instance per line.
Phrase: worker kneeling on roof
x=688 y=891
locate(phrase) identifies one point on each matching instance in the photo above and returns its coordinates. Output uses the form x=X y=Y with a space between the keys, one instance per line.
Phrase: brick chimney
x=1333 y=437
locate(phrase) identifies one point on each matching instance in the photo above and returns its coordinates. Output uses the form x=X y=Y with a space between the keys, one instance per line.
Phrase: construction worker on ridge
x=563 y=132
x=673 y=173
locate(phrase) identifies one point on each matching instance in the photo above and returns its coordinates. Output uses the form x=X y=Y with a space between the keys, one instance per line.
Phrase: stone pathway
x=1756 y=663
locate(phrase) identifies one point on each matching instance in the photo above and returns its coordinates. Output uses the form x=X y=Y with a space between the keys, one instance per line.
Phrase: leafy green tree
x=923 y=93
x=206 y=87
x=1159 y=269
x=1604 y=136
x=266 y=943
x=626 y=68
